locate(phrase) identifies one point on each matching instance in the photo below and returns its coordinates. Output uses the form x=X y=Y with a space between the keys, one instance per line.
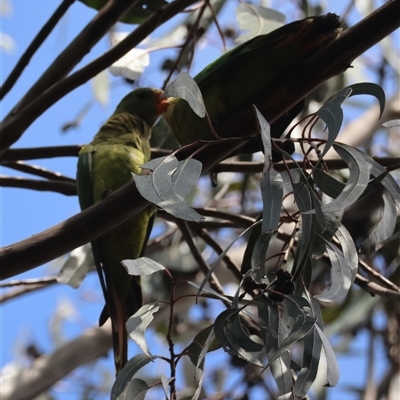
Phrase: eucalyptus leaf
x=136 y=389
x=185 y=87
x=389 y=183
x=357 y=182
x=332 y=114
x=258 y=20
x=138 y=323
x=341 y=276
x=126 y=374
x=157 y=187
x=385 y=227
x=79 y=263
x=272 y=195
x=142 y=266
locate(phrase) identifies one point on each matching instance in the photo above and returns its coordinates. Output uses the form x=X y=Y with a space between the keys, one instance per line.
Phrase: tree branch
x=62 y=187
x=32 y=48
x=76 y=50
x=48 y=369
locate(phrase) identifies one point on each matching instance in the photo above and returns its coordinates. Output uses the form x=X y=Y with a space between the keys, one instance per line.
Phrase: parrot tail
x=118 y=316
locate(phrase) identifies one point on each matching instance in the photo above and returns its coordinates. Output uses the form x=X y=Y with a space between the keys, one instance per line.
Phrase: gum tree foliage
x=274 y=255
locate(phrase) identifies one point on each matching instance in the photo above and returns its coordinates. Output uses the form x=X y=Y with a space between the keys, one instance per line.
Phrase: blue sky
x=25 y=213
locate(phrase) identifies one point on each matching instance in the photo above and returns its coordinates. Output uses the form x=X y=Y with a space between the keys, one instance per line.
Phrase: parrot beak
x=162 y=102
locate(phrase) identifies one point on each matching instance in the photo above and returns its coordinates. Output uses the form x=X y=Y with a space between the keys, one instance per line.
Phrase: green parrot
x=247 y=75
x=118 y=149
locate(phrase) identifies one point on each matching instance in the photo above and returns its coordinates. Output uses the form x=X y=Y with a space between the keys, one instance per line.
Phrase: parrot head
x=145 y=103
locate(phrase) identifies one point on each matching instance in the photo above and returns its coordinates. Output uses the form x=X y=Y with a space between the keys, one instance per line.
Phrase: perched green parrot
x=248 y=75
x=117 y=150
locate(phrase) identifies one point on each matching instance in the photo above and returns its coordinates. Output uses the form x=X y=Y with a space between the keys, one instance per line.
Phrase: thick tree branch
x=48 y=369
x=34 y=153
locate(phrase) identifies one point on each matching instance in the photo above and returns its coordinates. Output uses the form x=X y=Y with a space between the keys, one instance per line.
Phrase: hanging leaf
x=385 y=227
x=226 y=330
x=341 y=276
x=272 y=196
x=126 y=374
x=185 y=87
x=357 y=182
x=79 y=263
x=157 y=187
x=142 y=266
x=137 y=324
x=257 y=20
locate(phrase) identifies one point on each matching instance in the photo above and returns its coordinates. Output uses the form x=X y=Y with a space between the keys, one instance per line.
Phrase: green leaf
x=137 y=324
x=231 y=343
x=385 y=226
x=272 y=195
x=125 y=375
x=327 y=183
x=136 y=389
x=142 y=266
x=357 y=182
x=158 y=188
x=340 y=276
x=79 y=263
x=389 y=183
x=185 y=87
x=257 y=20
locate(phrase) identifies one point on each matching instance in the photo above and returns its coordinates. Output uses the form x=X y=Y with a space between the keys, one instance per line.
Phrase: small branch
x=203 y=234
x=203 y=265
x=31 y=287
x=35 y=153
x=33 y=47
x=66 y=188
x=257 y=167
x=38 y=171
x=28 y=282
x=82 y=44
x=378 y=277
x=374 y=288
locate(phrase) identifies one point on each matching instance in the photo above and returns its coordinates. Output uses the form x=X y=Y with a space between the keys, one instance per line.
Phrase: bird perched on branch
x=119 y=148
x=258 y=72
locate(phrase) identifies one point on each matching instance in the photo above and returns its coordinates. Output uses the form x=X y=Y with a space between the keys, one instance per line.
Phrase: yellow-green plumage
x=117 y=150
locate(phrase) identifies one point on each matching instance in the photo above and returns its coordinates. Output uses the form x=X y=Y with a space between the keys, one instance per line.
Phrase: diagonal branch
x=77 y=49
x=32 y=48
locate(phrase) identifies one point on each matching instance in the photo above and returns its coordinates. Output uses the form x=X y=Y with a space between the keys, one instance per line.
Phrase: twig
x=38 y=171
x=203 y=265
x=66 y=188
x=377 y=276
x=257 y=167
x=75 y=51
x=28 y=282
x=35 y=153
x=374 y=288
x=12 y=294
